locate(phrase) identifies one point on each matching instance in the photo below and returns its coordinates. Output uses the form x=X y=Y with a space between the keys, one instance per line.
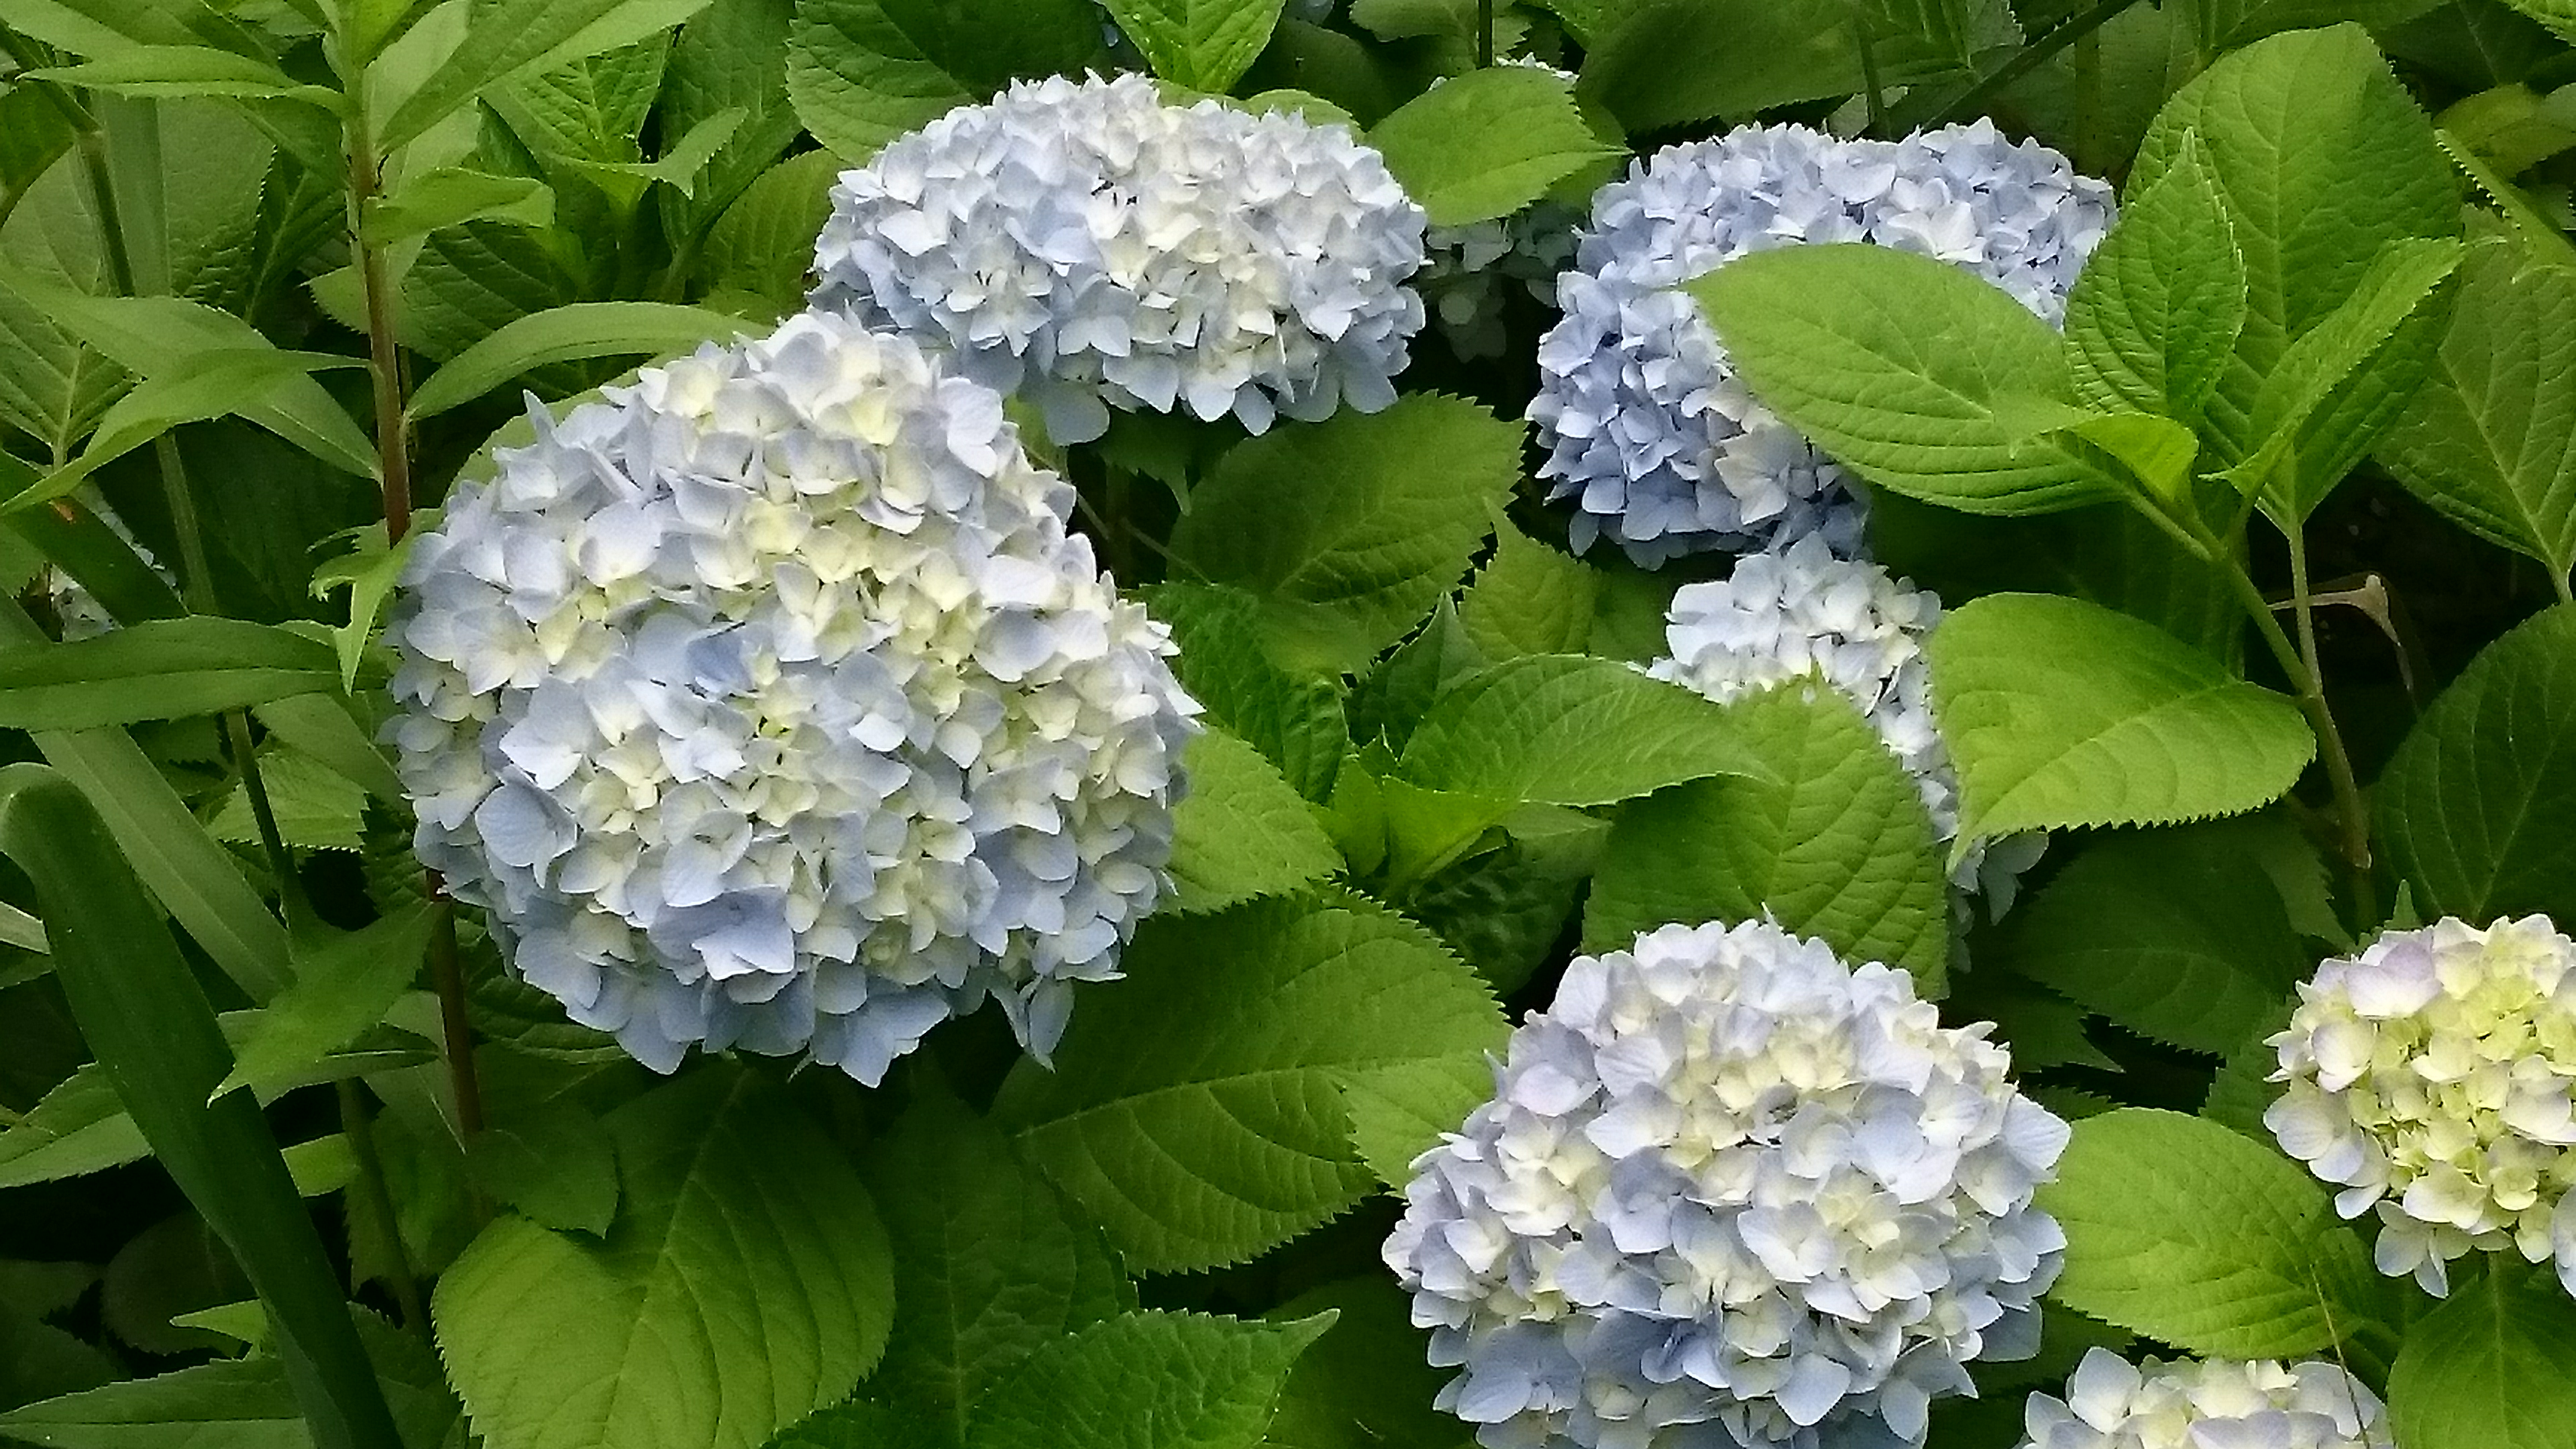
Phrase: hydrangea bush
x=1094 y=724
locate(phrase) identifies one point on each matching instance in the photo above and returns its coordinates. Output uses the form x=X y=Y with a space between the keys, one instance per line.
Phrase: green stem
x=369 y=1194
x=2558 y=581
x=1484 y=32
x=1871 y=91
x=1973 y=101
x=393 y=460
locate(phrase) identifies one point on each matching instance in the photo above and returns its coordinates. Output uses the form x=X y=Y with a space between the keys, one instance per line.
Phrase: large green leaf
x=2489 y=1367
x=1530 y=599
x=560 y=334
x=1364 y=1383
x=1487 y=143
x=1837 y=844
x=512 y=38
x=2558 y=15
x=1147 y=1381
x=1920 y=377
x=988 y=1267
x=2189 y=1233
x=2490 y=438
x=1570 y=729
x=744 y=1284
x=1352 y=528
x=2478 y=807
x=2061 y=713
x=1205 y=45
x=2180 y=935
x=1241 y=830
x=2323 y=160
x=1294 y=719
x=2154 y=318
x=731 y=56
x=1677 y=61
x=147 y=1020
x=1203 y=1109
x=764 y=242
x=343 y=985
x=161 y=669
x=858 y=81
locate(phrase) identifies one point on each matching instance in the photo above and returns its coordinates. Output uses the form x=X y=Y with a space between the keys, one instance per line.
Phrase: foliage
x=292 y=1151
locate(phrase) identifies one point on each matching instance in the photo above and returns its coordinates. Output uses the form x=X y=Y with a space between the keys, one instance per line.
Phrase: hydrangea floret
x=1805 y=612
x=1647 y=428
x=1085 y=245
x=2111 y=1403
x=770 y=704
x=1730 y=1191
x=2431 y=1077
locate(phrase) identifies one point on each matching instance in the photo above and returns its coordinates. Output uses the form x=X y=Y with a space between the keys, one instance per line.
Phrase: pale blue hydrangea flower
x=2431 y=1077
x=770 y=704
x=2111 y=1403
x=1647 y=428
x=1730 y=1192
x=1806 y=613
x=1088 y=246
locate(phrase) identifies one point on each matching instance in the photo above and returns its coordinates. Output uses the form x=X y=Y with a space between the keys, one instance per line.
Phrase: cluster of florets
x=2221 y=1404
x=1087 y=246
x=1730 y=1191
x=770 y=704
x=2431 y=1078
x=1807 y=613
x=1475 y=267
x=1647 y=427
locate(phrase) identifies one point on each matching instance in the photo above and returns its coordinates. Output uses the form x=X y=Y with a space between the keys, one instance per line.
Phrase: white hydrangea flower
x=770 y=704
x=1730 y=1192
x=2111 y=1403
x=1646 y=426
x=1084 y=244
x=1806 y=613
x=2431 y=1078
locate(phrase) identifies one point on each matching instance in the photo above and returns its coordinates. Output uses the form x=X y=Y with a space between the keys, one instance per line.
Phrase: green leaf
x=2154 y=453
x=561 y=334
x=1917 y=375
x=988 y=1267
x=987 y=44
x=1147 y=1381
x=1530 y=600
x=2489 y=1367
x=2323 y=160
x=187 y=70
x=1682 y=61
x=2154 y=318
x=744 y=1284
x=861 y=1424
x=732 y=56
x=2558 y=15
x=77 y=1128
x=1364 y=1384
x=512 y=38
x=194 y=879
x=316 y=807
x=1294 y=719
x=551 y=1162
x=858 y=81
x=227 y=1404
x=342 y=986
x=320 y=728
x=1205 y=45
x=1352 y=528
x=159 y=669
x=2490 y=438
x=1391 y=700
x=1485 y=144
x=2344 y=380
x=1571 y=730
x=148 y=1022
x=1506 y=910
x=218 y=385
x=1241 y=830
x=2222 y=25
x=1837 y=844
x=2061 y=713
x=2179 y=935
x=454 y=195
x=2478 y=806
x=764 y=243
x=2191 y=1234
x=1201 y=1109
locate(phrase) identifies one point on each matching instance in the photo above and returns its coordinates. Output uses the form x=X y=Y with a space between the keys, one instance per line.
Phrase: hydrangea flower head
x=1806 y=612
x=2111 y=1403
x=1084 y=244
x=2431 y=1078
x=770 y=704
x=1648 y=429
x=1730 y=1191
x=1474 y=268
